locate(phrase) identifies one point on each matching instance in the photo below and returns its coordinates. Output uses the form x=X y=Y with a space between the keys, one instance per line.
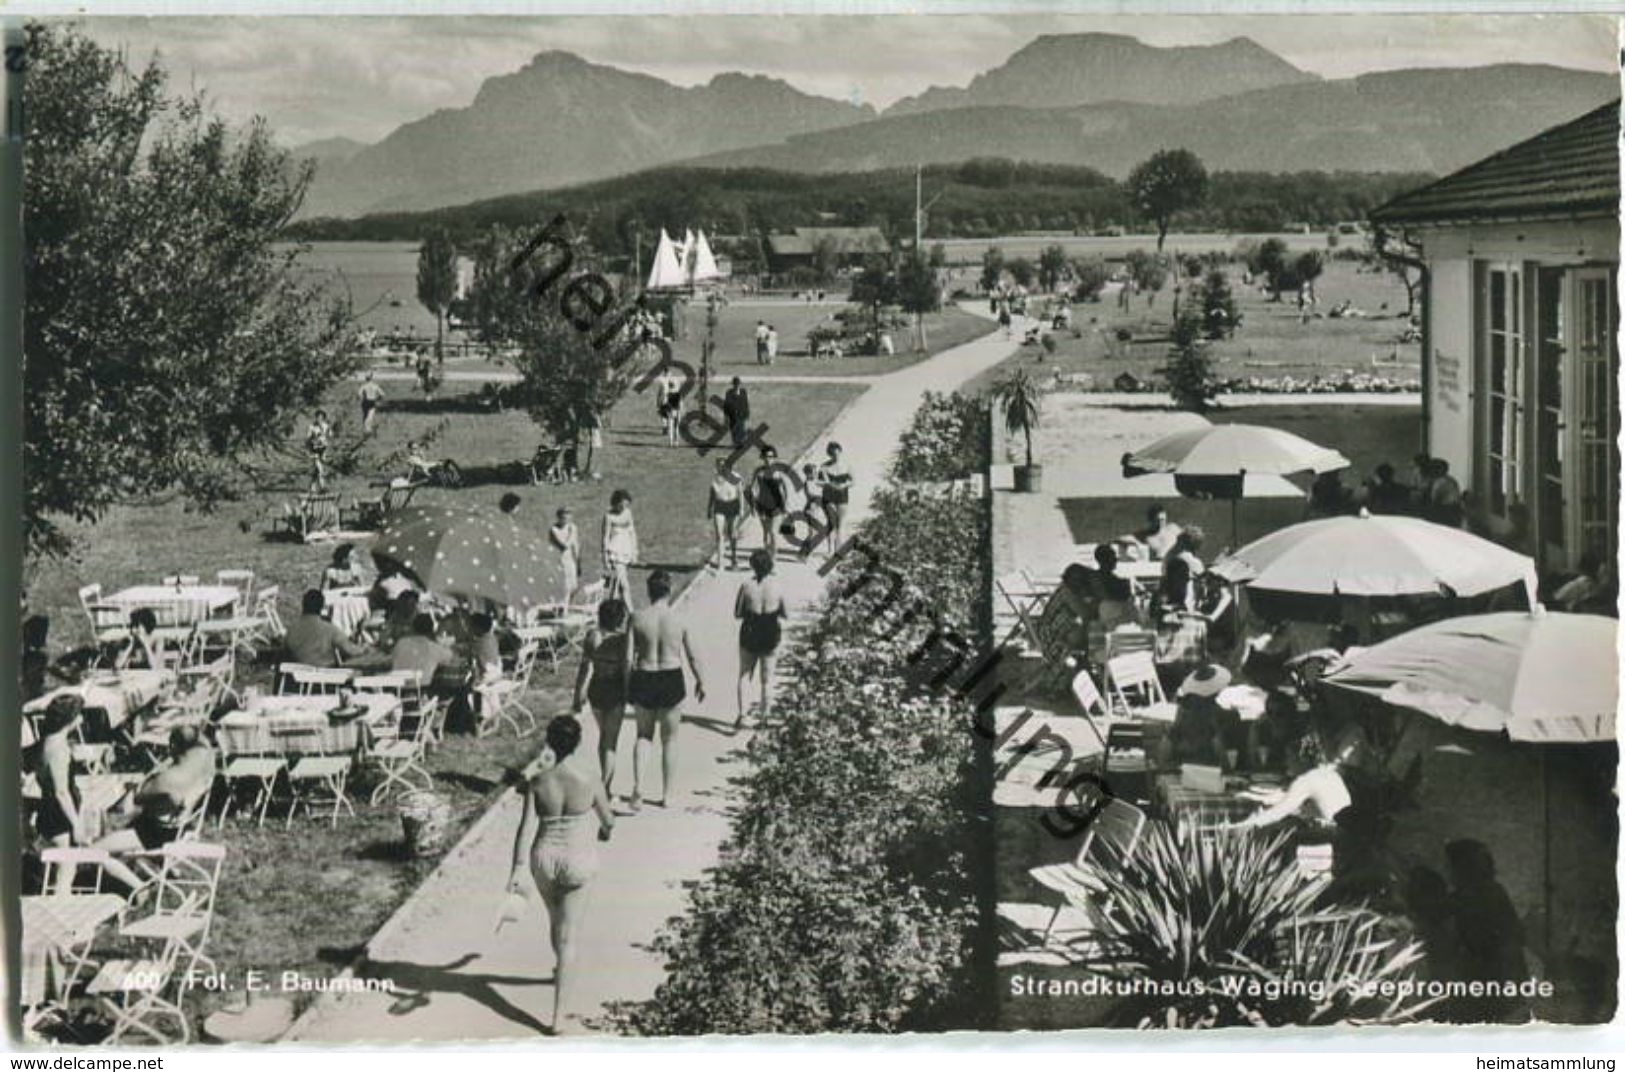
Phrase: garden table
x=1146 y=571
x=299 y=724
x=176 y=604
x=56 y=937
x=348 y=608
x=120 y=693
x=1206 y=807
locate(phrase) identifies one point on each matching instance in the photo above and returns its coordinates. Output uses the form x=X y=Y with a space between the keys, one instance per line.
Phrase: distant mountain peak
x=1071 y=70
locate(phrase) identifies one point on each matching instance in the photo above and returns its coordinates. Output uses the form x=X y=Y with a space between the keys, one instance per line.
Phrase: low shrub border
x=850 y=894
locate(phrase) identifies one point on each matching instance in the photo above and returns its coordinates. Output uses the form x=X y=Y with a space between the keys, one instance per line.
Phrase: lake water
x=381 y=278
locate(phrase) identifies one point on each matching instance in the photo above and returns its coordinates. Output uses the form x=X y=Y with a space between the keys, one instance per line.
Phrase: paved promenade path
x=457 y=979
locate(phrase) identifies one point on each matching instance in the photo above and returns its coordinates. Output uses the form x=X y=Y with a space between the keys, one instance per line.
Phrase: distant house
x=1520 y=359
x=849 y=245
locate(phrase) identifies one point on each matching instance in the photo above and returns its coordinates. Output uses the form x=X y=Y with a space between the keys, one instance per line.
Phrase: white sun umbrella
x=1537 y=676
x=1376 y=556
x=1214 y=461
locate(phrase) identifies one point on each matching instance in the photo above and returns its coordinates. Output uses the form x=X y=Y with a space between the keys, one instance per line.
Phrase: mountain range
x=1105 y=101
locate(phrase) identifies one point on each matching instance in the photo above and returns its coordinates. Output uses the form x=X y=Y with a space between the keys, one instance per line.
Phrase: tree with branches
x=1051 y=267
x=1166 y=183
x=168 y=337
x=437 y=282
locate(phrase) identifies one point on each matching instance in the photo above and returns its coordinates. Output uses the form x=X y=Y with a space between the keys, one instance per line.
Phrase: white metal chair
x=1135 y=689
x=400 y=759
x=109 y=623
x=183 y=900
x=500 y=696
x=243 y=581
x=1116 y=828
x=315 y=778
x=64 y=870
x=245 y=764
x=135 y=994
x=313 y=680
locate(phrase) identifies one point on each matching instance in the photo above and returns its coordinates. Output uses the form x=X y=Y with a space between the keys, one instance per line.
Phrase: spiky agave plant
x=1218 y=929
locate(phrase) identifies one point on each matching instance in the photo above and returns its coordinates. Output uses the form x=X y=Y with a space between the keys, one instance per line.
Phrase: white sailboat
x=704 y=264
x=667 y=272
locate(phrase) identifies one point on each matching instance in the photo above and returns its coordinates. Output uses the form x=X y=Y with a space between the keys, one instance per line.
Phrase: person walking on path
x=555 y=841
x=606 y=660
x=770 y=497
x=370 y=394
x=760 y=609
x=669 y=403
x=618 y=544
x=836 y=477
x=724 y=502
x=761 y=342
x=566 y=540
x=772 y=343
x=656 y=688
x=736 y=411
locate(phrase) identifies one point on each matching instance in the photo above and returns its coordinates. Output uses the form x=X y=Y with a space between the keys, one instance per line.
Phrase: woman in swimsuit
x=770 y=498
x=723 y=507
x=760 y=610
x=837 y=483
x=58 y=821
x=555 y=838
x=606 y=659
x=619 y=544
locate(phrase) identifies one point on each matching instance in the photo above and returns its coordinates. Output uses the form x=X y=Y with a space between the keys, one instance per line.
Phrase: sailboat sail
x=705 y=265
x=667 y=271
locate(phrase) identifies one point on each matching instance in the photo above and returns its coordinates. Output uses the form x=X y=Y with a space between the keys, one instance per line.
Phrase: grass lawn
x=736 y=340
x=1273 y=340
x=308 y=898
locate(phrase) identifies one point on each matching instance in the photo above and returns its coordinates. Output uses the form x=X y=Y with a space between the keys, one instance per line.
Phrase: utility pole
x=919 y=212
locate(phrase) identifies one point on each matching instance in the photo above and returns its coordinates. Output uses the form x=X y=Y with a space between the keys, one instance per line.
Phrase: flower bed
x=846 y=899
x=947 y=440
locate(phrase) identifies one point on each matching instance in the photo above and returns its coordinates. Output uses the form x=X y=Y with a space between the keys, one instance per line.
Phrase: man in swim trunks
x=760 y=610
x=656 y=687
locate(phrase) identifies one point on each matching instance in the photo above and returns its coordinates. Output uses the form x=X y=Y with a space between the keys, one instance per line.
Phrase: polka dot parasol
x=471 y=555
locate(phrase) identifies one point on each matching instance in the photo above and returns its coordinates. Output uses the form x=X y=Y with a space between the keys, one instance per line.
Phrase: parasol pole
x=1235 y=505
x=1546 y=851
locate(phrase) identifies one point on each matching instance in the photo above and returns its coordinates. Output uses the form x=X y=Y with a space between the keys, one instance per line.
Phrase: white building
x=1520 y=357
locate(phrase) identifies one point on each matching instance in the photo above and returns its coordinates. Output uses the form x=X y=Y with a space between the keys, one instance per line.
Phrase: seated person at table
x=420 y=651
x=1316 y=795
x=162 y=801
x=35 y=664
x=346 y=570
x=58 y=822
x=1159 y=533
x=418 y=466
x=399 y=618
x=145 y=649
x=1180 y=569
x=1114 y=594
x=481 y=648
x=314 y=641
x=1592 y=592
x=390 y=586
x=1202 y=730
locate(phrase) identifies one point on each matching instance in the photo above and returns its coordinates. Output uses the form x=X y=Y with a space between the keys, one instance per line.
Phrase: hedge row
x=846 y=899
x=947 y=440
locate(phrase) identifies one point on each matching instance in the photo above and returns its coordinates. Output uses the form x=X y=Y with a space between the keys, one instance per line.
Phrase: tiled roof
x=1569 y=170
x=846 y=240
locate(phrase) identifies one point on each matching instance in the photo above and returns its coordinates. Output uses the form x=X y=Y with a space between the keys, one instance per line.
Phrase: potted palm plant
x=1021 y=399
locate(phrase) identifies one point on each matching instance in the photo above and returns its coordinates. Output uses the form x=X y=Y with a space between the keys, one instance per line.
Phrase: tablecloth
x=347 y=608
x=298 y=725
x=53 y=930
x=119 y=693
x=176 y=605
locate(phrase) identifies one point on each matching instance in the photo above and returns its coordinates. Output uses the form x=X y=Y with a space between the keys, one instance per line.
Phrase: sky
x=360 y=78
